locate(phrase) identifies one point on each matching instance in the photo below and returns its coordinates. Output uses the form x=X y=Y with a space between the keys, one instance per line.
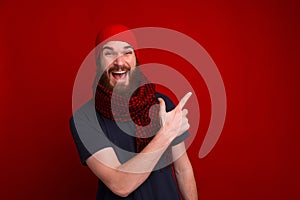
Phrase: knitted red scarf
x=139 y=110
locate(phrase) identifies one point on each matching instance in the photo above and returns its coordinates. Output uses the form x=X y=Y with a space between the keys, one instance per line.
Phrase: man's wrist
x=166 y=135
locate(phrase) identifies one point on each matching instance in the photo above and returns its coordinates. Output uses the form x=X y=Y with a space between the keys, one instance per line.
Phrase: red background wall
x=255 y=44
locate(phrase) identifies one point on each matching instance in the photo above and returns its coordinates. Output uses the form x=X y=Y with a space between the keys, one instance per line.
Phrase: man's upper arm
x=180 y=156
x=88 y=136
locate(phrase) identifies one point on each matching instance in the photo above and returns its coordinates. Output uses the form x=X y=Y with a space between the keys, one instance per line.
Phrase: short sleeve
x=87 y=133
x=170 y=106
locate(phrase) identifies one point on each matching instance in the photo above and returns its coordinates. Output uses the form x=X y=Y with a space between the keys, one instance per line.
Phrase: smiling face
x=118 y=61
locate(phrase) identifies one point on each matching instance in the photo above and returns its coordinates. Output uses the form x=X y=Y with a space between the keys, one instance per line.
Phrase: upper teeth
x=122 y=72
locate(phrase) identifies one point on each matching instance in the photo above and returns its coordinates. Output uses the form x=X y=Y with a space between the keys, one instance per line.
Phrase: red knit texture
x=145 y=119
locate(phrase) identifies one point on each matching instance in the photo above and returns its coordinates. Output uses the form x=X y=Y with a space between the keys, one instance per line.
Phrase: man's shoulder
x=161 y=95
x=169 y=103
x=86 y=110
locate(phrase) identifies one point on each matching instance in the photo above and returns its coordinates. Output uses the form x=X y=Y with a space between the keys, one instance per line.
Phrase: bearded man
x=129 y=135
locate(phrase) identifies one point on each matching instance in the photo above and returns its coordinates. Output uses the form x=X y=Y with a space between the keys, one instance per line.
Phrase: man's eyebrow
x=107 y=47
x=110 y=48
x=128 y=47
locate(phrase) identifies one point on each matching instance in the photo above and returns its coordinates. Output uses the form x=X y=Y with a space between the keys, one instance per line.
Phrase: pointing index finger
x=184 y=99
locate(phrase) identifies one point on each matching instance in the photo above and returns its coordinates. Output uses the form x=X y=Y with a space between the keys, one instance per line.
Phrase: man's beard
x=135 y=79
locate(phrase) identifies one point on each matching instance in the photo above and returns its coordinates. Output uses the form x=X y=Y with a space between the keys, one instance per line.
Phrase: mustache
x=117 y=67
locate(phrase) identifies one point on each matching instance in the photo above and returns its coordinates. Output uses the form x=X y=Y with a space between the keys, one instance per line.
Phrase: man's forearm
x=124 y=178
x=149 y=156
x=184 y=173
x=187 y=185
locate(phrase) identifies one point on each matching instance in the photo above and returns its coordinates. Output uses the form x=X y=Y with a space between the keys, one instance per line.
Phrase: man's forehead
x=116 y=45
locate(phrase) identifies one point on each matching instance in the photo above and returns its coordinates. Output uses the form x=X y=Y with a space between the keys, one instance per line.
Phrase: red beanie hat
x=116 y=32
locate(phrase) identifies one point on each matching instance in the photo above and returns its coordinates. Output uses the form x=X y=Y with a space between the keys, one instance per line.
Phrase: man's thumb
x=162 y=105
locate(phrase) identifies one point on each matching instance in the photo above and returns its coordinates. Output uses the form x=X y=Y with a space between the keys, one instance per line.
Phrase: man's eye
x=128 y=52
x=107 y=53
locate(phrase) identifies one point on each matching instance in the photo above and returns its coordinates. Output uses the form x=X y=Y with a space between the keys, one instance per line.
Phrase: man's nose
x=119 y=60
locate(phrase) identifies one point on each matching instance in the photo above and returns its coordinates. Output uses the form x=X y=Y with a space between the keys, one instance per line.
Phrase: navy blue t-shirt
x=92 y=132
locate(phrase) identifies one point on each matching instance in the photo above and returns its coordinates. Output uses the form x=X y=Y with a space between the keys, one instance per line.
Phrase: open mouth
x=119 y=75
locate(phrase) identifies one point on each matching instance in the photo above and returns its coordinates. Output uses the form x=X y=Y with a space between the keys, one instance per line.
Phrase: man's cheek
x=106 y=63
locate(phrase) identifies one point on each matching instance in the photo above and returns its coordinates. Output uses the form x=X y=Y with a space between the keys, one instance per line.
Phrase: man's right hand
x=174 y=122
